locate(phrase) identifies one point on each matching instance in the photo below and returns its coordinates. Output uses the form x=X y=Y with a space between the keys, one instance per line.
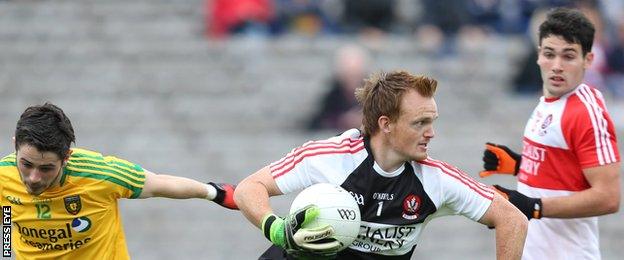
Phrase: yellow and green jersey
x=80 y=218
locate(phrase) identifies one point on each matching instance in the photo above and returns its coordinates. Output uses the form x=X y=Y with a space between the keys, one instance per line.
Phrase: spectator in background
x=226 y=17
x=339 y=110
x=307 y=17
x=595 y=74
x=528 y=79
x=616 y=62
x=442 y=20
x=368 y=16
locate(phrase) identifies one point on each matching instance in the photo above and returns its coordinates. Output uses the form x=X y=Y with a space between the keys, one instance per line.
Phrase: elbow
x=239 y=192
x=243 y=191
x=609 y=203
x=612 y=206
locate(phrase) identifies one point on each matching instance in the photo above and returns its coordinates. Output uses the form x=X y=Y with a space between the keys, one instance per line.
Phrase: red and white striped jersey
x=395 y=206
x=562 y=137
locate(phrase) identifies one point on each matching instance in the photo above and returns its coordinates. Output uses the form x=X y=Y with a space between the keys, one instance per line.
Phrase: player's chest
x=66 y=206
x=545 y=126
x=401 y=200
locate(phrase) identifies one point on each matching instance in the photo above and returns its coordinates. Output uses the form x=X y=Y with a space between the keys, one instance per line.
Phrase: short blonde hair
x=382 y=92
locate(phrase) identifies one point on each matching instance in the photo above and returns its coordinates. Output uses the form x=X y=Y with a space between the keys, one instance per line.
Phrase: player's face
x=38 y=170
x=562 y=65
x=412 y=131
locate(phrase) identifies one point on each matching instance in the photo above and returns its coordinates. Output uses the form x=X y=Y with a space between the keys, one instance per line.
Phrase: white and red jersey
x=395 y=206
x=562 y=137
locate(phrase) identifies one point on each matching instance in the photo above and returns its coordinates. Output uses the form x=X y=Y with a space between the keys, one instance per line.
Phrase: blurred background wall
x=214 y=90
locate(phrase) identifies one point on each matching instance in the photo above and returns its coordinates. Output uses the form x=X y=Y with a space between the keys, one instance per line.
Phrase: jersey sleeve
x=121 y=178
x=7 y=161
x=589 y=130
x=461 y=194
x=330 y=161
x=129 y=179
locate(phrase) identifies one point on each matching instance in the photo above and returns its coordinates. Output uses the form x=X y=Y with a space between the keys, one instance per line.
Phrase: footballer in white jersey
x=395 y=206
x=569 y=168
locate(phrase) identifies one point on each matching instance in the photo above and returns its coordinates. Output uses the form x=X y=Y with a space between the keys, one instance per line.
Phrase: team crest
x=73 y=204
x=411 y=205
x=547 y=121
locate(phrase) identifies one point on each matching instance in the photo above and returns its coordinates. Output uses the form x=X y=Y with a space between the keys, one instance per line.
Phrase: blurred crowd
x=437 y=24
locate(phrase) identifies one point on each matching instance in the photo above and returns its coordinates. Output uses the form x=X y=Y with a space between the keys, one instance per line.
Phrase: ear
x=13 y=140
x=589 y=58
x=384 y=124
x=68 y=155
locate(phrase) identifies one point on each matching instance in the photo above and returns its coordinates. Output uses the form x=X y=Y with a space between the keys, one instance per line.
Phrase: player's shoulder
x=585 y=98
x=348 y=142
x=8 y=160
x=90 y=164
x=92 y=158
x=436 y=165
x=431 y=167
x=585 y=105
x=346 y=137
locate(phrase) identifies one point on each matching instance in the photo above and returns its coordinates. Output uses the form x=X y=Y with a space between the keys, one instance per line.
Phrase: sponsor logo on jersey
x=376 y=239
x=59 y=238
x=383 y=196
x=14 y=200
x=72 y=204
x=347 y=214
x=411 y=205
x=532 y=158
x=81 y=224
x=41 y=200
x=358 y=198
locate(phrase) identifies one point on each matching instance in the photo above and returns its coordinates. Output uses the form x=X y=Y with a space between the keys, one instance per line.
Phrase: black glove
x=530 y=207
x=499 y=159
x=225 y=194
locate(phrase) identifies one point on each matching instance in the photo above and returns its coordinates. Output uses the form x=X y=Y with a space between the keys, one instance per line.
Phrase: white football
x=337 y=207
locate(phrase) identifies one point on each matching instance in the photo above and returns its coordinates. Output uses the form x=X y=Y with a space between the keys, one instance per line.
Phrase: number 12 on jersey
x=43 y=211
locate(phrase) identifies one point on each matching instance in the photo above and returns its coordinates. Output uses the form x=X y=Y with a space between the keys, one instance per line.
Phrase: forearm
x=174 y=187
x=587 y=203
x=510 y=236
x=252 y=199
x=511 y=227
x=603 y=197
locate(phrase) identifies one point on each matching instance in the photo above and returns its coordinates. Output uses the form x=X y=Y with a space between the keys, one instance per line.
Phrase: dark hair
x=382 y=92
x=570 y=24
x=47 y=128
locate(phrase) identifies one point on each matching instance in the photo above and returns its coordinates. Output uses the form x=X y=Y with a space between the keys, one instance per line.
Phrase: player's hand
x=498 y=159
x=306 y=242
x=530 y=207
x=225 y=194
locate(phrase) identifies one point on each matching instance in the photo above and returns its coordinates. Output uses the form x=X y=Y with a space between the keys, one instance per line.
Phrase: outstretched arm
x=174 y=187
x=511 y=227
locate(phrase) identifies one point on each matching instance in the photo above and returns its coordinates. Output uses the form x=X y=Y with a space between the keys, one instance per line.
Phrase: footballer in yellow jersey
x=80 y=217
x=64 y=201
